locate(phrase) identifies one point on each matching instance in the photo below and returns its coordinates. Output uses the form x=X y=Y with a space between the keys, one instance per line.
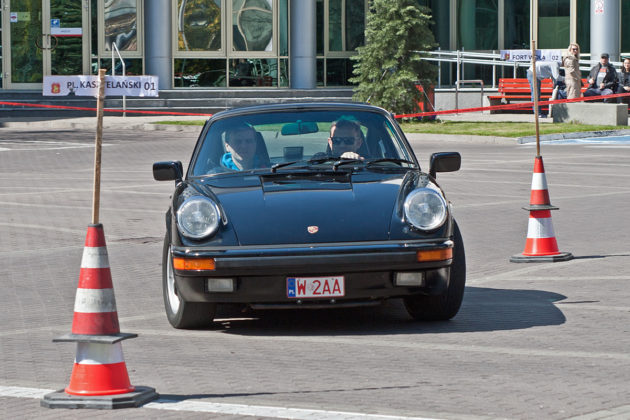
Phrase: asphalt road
x=531 y=340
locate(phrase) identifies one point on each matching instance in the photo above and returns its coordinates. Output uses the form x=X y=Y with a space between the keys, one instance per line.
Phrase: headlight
x=425 y=209
x=198 y=217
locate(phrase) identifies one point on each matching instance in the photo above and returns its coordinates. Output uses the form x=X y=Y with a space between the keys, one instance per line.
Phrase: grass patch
x=501 y=129
x=498 y=129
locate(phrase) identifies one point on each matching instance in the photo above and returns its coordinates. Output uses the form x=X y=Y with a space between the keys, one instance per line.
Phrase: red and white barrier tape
x=510 y=106
x=80 y=108
x=520 y=105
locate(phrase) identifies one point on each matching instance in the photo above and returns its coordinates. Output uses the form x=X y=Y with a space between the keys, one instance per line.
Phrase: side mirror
x=444 y=162
x=168 y=171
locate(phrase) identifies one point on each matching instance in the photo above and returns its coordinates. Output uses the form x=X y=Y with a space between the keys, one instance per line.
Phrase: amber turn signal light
x=435 y=255
x=192 y=264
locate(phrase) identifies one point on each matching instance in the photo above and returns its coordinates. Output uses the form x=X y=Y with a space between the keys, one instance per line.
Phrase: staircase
x=195 y=101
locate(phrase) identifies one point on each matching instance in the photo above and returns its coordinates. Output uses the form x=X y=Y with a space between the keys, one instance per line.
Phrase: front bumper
x=261 y=272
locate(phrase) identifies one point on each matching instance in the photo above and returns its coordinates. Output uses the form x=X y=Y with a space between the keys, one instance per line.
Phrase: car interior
x=295 y=140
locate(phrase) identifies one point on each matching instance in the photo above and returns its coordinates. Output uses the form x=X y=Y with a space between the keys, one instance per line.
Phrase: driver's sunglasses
x=346 y=140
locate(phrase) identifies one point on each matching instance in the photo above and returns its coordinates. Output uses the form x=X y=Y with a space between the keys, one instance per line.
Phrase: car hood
x=306 y=208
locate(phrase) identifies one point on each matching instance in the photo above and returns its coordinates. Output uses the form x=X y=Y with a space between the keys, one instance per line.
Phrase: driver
x=345 y=139
x=240 y=147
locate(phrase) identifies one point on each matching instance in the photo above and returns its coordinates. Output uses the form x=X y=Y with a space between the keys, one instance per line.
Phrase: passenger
x=544 y=70
x=624 y=81
x=240 y=147
x=573 y=77
x=345 y=139
x=602 y=79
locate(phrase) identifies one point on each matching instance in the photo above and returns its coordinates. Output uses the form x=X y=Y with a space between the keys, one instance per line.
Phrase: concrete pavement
x=531 y=341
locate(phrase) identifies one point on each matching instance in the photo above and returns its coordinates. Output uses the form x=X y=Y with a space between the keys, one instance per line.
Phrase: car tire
x=180 y=313
x=446 y=305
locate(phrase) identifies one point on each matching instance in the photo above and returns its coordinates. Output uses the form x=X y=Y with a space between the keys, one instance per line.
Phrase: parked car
x=275 y=212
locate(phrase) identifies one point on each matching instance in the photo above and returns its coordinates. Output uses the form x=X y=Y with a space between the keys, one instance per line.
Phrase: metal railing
x=459 y=82
x=124 y=73
x=461 y=57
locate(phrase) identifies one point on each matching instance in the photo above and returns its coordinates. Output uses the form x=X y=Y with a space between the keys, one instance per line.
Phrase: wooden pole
x=535 y=95
x=96 y=197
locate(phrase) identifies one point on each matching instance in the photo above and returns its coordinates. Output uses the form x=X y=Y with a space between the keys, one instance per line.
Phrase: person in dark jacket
x=624 y=82
x=602 y=79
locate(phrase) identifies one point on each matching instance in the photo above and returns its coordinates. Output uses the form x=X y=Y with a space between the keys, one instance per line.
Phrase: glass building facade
x=215 y=43
x=493 y=25
x=246 y=43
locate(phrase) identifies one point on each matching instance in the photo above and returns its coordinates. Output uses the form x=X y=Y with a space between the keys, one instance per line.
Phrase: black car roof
x=296 y=106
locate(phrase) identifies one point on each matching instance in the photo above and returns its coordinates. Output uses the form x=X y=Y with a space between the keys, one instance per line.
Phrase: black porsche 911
x=308 y=206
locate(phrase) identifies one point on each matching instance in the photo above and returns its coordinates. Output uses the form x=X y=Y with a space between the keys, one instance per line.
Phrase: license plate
x=315 y=287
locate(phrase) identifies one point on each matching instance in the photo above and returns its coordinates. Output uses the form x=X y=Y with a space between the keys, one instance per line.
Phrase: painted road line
x=21 y=392
x=231 y=409
x=268 y=411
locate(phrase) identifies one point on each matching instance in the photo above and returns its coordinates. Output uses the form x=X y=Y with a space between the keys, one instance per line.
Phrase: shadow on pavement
x=483 y=309
x=166 y=398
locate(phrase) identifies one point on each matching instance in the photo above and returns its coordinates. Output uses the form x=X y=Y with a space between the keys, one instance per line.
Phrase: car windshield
x=298 y=139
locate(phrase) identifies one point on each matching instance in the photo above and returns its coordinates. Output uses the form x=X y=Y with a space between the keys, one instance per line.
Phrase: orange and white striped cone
x=95 y=303
x=539 y=197
x=541 y=244
x=99 y=377
x=99 y=369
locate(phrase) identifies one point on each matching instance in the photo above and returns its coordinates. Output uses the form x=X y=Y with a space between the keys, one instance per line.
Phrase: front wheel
x=180 y=313
x=445 y=306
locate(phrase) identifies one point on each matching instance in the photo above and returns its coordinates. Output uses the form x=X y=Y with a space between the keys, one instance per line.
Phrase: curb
x=575 y=135
x=467 y=138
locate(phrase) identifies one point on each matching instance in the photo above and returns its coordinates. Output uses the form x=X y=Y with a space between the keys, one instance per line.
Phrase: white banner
x=526 y=55
x=88 y=85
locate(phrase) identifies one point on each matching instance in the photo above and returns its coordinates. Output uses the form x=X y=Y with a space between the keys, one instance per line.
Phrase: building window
x=340 y=31
x=133 y=66
x=1 y=71
x=516 y=24
x=191 y=73
x=477 y=30
x=199 y=25
x=346 y=24
x=625 y=31
x=121 y=24
x=252 y=25
x=338 y=71
x=283 y=27
x=478 y=25
x=584 y=25
x=553 y=23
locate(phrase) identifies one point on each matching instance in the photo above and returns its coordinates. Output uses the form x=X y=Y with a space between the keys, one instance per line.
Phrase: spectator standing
x=544 y=70
x=602 y=79
x=624 y=81
x=572 y=75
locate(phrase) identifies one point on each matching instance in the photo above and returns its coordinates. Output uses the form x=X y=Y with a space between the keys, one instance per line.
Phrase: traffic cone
x=541 y=244
x=95 y=303
x=99 y=377
x=99 y=369
x=539 y=197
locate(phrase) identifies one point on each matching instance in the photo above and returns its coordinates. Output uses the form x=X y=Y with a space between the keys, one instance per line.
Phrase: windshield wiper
x=322 y=160
x=344 y=161
x=276 y=166
x=393 y=160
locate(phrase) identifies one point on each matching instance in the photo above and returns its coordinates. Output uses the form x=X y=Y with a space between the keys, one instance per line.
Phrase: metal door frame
x=47 y=42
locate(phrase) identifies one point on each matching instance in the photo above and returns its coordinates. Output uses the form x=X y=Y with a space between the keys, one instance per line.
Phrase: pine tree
x=387 y=68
